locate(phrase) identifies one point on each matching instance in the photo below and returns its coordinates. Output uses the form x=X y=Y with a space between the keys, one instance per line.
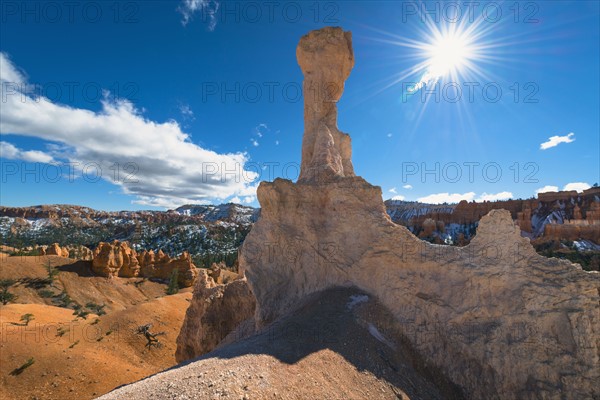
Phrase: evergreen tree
x=5 y=295
x=173 y=283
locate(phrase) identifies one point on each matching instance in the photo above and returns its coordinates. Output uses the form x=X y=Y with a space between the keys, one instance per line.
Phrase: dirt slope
x=90 y=358
x=340 y=345
x=76 y=278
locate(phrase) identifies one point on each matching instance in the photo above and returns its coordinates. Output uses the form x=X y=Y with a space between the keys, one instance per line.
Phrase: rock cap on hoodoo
x=326 y=59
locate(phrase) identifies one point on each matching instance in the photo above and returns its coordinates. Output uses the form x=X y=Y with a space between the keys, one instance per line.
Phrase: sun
x=448 y=54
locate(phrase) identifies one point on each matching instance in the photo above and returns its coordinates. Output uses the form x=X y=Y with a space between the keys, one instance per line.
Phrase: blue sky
x=154 y=104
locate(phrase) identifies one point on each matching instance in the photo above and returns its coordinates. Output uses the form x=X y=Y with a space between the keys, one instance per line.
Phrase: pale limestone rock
x=326 y=59
x=215 y=311
x=499 y=320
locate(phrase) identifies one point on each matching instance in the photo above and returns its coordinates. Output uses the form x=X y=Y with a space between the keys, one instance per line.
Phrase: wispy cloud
x=9 y=72
x=260 y=130
x=186 y=112
x=554 y=141
x=207 y=8
x=170 y=170
x=10 y=152
x=408 y=187
x=392 y=190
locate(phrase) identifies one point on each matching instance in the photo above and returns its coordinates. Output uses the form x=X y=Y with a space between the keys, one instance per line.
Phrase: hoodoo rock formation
x=326 y=152
x=497 y=319
x=115 y=259
x=55 y=250
x=118 y=259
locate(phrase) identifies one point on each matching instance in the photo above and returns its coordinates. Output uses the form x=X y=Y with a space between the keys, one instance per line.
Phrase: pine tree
x=26 y=318
x=52 y=272
x=5 y=296
x=173 y=283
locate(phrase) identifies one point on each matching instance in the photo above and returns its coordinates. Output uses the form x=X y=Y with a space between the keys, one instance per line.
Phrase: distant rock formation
x=118 y=259
x=55 y=250
x=496 y=318
x=115 y=259
x=556 y=216
x=80 y=253
x=161 y=266
x=215 y=311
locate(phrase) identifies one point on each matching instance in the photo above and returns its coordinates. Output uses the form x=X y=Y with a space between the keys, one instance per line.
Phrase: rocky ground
x=341 y=344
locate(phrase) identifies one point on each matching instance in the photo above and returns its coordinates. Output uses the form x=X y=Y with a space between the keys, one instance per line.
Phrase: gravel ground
x=331 y=348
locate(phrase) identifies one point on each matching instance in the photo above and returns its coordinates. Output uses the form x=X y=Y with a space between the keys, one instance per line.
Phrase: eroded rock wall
x=214 y=312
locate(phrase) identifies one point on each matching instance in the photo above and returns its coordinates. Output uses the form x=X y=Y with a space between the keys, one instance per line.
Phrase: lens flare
x=449 y=54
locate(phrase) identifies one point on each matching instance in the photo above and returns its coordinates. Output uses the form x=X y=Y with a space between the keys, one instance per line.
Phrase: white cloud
x=9 y=151
x=554 y=141
x=8 y=71
x=389 y=135
x=399 y=197
x=254 y=142
x=440 y=198
x=186 y=111
x=392 y=190
x=277 y=143
x=170 y=169
x=246 y=200
x=207 y=8
x=249 y=190
x=546 y=188
x=495 y=197
x=579 y=186
x=408 y=187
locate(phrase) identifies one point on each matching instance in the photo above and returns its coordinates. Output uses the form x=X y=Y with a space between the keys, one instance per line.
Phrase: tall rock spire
x=326 y=59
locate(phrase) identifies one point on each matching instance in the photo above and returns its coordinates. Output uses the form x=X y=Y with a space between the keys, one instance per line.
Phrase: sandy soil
x=76 y=278
x=90 y=358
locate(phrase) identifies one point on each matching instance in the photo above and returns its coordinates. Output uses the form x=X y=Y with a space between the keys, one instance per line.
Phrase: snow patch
x=356 y=299
x=377 y=335
x=586 y=245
